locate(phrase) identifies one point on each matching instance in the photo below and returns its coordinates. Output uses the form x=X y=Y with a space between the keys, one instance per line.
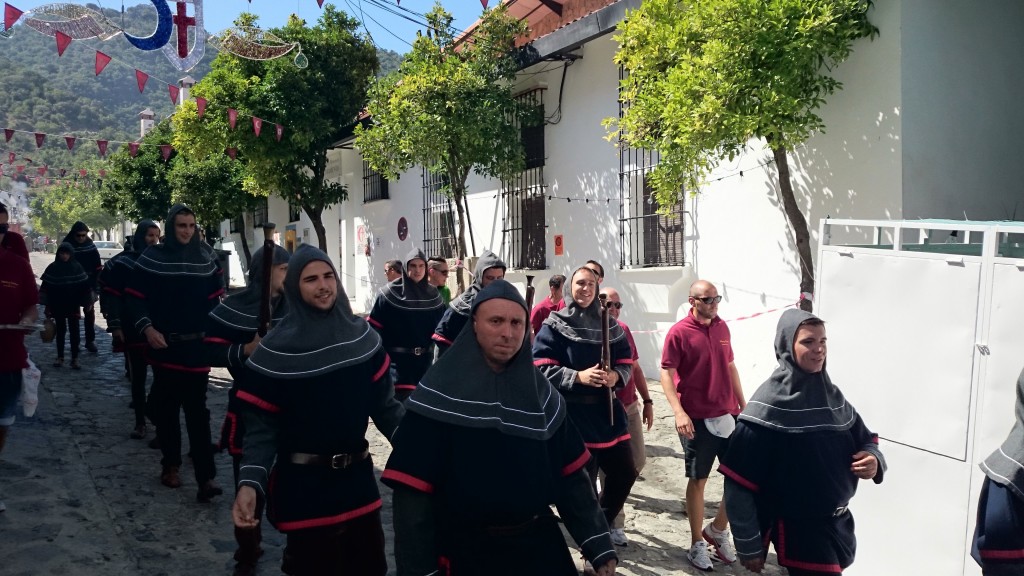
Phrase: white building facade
x=926 y=126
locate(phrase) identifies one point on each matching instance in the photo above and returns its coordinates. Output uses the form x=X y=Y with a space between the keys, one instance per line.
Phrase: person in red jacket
x=11 y=241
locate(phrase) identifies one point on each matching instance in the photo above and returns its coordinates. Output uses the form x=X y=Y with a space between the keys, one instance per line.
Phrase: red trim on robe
x=180 y=367
x=110 y=290
x=383 y=369
x=438 y=338
x=545 y=361
x=257 y=401
x=216 y=340
x=734 y=476
x=134 y=292
x=374 y=323
x=405 y=386
x=1002 y=554
x=599 y=445
x=329 y=520
x=577 y=463
x=624 y=361
x=408 y=480
x=216 y=294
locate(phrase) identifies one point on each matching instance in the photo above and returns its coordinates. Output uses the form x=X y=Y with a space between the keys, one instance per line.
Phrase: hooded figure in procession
x=172 y=289
x=88 y=256
x=488 y=269
x=113 y=281
x=405 y=314
x=64 y=291
x=795 y=458
x=315 y=380
x=231 y=337
x=998 y=544
x=485 y=448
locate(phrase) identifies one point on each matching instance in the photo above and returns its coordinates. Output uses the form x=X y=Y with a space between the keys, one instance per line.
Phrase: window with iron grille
x=523 y=220
x=294 y=211
x=439 y=231
x=261 y=214
x=236 y=224
x=375 y=185
x=647 y=237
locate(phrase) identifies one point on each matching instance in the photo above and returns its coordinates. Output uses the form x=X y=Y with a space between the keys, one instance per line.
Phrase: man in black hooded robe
x=317 y=378
x=88 y=257
x=484 y=450
x=113 y=281
x=488 y=269
x=174 y=287
x=795 y=458
x=405 y=314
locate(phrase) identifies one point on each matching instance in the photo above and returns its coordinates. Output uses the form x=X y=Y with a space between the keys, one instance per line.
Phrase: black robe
x=325 y=414
x=402 y=330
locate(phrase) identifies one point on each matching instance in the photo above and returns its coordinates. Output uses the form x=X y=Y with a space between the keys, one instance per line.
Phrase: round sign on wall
x=403 y=229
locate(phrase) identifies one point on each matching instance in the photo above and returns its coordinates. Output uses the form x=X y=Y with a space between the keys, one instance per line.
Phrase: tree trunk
x=469 y=223
x=798 y=223
x=243 y=235
x=316 y=217
x=457 y=192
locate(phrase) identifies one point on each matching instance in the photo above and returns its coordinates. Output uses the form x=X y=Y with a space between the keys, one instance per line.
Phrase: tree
x=57 y=208
x=450 y=108
x=707 y=76
x=137 y=187
x=313 y=104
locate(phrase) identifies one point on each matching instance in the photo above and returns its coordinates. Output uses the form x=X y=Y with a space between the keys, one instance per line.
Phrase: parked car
x=107 y=249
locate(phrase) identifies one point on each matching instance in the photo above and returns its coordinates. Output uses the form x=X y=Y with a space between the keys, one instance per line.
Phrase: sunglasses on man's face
x=709 y=300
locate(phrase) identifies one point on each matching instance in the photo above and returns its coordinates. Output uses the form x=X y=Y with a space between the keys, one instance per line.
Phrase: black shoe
x=207 y=491
x=91 y=347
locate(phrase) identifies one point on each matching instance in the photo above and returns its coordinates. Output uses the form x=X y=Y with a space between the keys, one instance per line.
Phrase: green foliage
x=706 y=76
x=55 y=209
x=314 y=105
x=450 y=106
x=211 y=187
x=138 y=187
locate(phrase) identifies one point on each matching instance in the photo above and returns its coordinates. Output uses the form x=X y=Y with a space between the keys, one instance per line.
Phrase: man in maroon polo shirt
x=703 y=388
x=11 y=241
x=549 y=304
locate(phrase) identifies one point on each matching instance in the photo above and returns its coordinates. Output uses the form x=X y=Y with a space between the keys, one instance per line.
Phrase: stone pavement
x=84 y=499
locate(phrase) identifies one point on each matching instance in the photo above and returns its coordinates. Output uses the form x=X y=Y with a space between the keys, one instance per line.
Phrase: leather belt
x=336 y=461
x=840 y=511
x=418 y=351
x=186 y=337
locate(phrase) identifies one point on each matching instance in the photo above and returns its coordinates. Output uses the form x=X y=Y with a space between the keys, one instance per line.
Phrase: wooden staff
x=606 y=354
x=268 y=270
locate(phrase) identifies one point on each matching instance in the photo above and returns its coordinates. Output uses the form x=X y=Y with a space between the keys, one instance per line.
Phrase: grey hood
x=463 y=304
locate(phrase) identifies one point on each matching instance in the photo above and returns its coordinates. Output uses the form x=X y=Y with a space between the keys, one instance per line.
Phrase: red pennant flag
x=11 y=15
x=63 y=40
x=63 y=172
x=8 y=133
x=103 y=173
x=133 y=148
x=82 y=172
x=257 y=125
x=232 y=152
x=20 y=168
x=279 y=131
x=201 y=106
x=103 y=147
x=484 y=4
x=232 y=117
x=320 y=3
x=40 y=138
x=165 y=150
x=141 y=78
x=173 y=90
x=41 y=170
x=70 y=140
x=101 y=61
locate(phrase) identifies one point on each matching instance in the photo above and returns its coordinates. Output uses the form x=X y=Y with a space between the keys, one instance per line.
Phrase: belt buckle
x=839 y=511
x=340 y=461
x=418 y=351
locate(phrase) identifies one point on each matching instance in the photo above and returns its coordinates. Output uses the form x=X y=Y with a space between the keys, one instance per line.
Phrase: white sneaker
x=619 y=537
x=722 y=541
x=698 y=556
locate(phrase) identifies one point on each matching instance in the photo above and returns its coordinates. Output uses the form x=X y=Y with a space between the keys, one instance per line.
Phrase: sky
x=387 y=30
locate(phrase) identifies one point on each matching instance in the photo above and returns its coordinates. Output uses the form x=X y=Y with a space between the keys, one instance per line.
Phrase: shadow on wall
x=858 y=177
